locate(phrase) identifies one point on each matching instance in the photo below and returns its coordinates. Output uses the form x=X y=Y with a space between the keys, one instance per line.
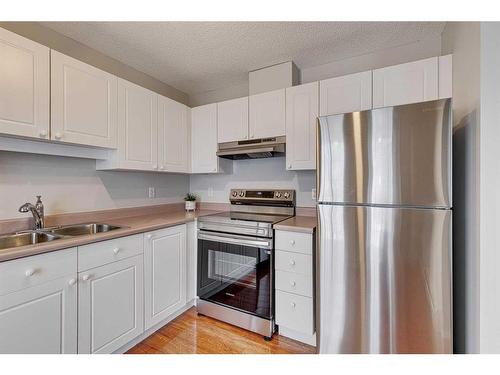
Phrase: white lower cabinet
x=295 y=285
x=38 y=304
x=165 y=273
x=110 y=305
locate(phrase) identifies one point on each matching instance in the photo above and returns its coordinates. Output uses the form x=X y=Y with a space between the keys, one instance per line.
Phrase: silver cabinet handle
x=235 y=240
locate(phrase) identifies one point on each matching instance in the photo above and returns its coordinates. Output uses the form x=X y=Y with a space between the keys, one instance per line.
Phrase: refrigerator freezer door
x=384 y=277
x=395 y=156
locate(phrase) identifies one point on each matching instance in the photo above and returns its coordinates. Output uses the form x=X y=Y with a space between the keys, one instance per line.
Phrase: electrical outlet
x=313 y=194
x=151 y=192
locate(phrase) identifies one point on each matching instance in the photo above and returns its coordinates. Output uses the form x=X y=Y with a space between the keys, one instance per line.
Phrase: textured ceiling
x=196 y=57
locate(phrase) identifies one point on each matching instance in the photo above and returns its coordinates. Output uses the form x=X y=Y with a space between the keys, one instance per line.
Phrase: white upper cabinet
x=83 y=103
x=173 y=136
x=165 y=273
x=204 y=139
x=345 y=94
x=445 y=76
x=406 y=83
x=232 y=120
x=137 y=126
x=267 y=114
x=137 y=130
x=302 y=107
x=24 y=86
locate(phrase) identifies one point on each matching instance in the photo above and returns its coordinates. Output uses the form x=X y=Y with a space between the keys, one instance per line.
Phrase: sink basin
x=27 y=238
x=82 y=229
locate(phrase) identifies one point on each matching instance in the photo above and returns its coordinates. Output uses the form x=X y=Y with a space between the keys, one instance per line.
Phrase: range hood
x=252 y=149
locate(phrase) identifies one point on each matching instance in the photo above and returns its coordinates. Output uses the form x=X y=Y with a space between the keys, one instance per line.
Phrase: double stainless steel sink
x=51 y=234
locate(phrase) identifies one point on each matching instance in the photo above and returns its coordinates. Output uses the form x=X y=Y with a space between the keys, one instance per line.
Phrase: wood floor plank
x=191 y=333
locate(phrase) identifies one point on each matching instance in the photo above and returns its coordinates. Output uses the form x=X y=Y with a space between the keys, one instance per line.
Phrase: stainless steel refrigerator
x=384 y=257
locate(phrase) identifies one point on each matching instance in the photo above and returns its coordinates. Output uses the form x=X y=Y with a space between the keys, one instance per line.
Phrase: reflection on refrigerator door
x=385 y=280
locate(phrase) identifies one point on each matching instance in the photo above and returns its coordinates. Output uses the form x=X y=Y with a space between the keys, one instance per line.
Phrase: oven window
x=236 y=276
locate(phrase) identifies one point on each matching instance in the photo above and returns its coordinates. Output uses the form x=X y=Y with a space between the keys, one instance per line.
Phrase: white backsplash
x=73 y=185
x=255 y=173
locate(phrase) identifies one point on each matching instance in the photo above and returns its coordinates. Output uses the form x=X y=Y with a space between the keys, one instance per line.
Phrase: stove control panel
x=259 y=195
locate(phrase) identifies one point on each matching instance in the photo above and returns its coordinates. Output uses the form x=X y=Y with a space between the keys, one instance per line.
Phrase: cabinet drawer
x=295 y=312
x=100 y=253
x=294 y=283
x=294 y=241
x=35 y=270
x=293 y=262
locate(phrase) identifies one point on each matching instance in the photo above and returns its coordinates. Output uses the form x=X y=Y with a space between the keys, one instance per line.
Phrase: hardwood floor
x=193 y=334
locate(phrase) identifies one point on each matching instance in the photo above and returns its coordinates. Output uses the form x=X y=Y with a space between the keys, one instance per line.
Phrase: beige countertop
x=304 y=224
x=134 y=225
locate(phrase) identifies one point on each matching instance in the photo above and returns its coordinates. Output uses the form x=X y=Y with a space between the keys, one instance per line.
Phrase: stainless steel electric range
x=236 y=259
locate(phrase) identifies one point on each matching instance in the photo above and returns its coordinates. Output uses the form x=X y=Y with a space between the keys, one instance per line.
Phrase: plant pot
x=190 y=205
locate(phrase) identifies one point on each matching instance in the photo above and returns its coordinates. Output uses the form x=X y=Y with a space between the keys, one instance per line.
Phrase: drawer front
x=294 y=283
x=295 y=312
x=293 y=262
x=35 y=270
x=101 y=253
x=294 y=241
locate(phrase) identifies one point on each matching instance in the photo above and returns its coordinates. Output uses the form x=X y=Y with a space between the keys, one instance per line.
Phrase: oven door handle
x=237 y=240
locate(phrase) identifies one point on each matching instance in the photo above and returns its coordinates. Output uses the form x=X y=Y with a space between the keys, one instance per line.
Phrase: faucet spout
x=37 y=215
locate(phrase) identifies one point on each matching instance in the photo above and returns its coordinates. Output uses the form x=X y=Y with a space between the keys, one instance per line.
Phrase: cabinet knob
x=30 y=272
x=161 y=167
x=116 y=250
x=292 y=262
x=149 y=236
x=214 y=170
x=58 y=135
x=72 y=282
x=155 y=166
x=292 y=242
x=293 y=305
x=43 y=133
x=289 y=166
x=85 y=277
x=292 y=283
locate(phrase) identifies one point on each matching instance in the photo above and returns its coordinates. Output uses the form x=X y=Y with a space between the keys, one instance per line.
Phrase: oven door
x=236 y=271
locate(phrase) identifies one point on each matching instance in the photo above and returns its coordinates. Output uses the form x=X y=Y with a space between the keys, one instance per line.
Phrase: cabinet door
x=137 y=127
x=406 y=83
x=267 y=114
x=173 y=136
x=41 y=319
x=165 y=273
x=232 y=120
x=83 y=103
x=204 y=139
x=24 y=86
x=345 y=94
x=301 y=115
x=110 y=306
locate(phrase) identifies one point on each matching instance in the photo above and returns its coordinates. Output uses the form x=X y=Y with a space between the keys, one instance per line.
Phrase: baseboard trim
x=298 y=336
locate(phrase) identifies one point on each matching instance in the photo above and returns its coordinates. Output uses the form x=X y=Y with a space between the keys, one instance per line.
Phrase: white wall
x=489 y=172
x=71 y=185
x=463 y=40
x=256 y=173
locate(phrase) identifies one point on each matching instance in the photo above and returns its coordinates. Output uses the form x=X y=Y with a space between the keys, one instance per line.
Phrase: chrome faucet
x=36 y=211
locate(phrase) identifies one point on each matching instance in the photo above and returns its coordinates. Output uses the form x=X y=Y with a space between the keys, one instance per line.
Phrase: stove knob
x=278 y=194
x=235 y=193
x=286 y=195
x=242 y=193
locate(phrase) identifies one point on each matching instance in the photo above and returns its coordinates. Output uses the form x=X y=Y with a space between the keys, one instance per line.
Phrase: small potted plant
x=190 y=199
